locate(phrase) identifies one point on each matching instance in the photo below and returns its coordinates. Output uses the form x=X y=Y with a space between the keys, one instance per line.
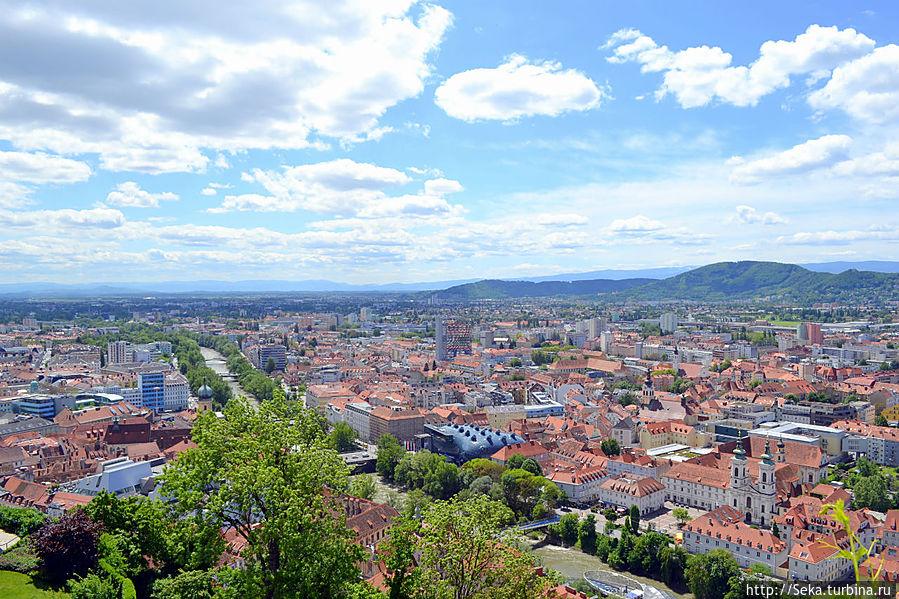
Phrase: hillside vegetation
x=715 y=282
x=496 y=289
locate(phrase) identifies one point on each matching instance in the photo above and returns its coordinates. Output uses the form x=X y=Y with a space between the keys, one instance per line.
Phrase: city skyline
x=408 y=141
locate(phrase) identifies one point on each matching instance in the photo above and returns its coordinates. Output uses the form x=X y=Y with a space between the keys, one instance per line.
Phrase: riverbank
x=216 y=362
x=571 y=563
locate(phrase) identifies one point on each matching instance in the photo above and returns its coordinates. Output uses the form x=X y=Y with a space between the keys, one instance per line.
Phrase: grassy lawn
x=784 y=323
x=22 y=586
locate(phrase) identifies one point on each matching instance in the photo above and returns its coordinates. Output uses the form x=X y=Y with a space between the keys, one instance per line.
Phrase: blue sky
x=405 y=141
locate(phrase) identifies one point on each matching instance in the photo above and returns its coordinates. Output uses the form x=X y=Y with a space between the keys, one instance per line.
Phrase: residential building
x=725 y=528
x=626 y=490
x=402 y=424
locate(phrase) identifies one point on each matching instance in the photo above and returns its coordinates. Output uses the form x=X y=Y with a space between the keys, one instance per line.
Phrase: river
x=216 y=362
x=571 y=563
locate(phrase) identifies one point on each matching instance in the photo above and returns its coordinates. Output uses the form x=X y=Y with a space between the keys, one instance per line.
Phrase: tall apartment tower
x=117 y=352
x=815 y=337
x=668 y=322
x=453 y=338
x=606 y=339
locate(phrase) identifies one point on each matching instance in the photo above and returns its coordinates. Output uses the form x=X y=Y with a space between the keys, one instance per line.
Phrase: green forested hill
x=496 y=289
x=743 y=280
x=716 y=282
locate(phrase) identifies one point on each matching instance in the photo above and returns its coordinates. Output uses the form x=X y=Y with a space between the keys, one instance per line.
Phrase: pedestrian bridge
x=539 y=524
x=611 y=584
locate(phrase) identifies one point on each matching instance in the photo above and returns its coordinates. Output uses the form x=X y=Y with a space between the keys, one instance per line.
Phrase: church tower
x=781 y=452
x=766 y=486
x=648 y=390
x=738 y=467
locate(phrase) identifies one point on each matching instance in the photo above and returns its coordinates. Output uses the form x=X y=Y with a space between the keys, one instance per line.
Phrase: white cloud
x=94 y=218
x=208 y=191
x=885 y=162
x=866 y=88
x=748 y=215
x=517 y=88
x=156 y=90
x=635 y=225
x=833 y=237
x=698 y=75
x=13 y=195
x=342 y=188
x=440 y=187
x=41 y=168
x=815 y=153
x=131 y=195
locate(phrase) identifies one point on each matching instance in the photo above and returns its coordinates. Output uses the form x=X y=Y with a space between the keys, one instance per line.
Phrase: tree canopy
x=268 y=475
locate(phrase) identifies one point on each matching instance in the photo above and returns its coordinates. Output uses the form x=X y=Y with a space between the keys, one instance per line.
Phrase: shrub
x=19 y=559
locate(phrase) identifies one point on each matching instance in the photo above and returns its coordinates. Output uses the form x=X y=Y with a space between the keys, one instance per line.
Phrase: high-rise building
x=668 y=322
x=261 y=354
x=802 y=331
x=117 y=352
x=453 y=338
x=606 y=339
x=815 y=337
x=152 y=390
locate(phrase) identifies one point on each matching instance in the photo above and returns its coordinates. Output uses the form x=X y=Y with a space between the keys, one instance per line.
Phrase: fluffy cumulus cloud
x=169 y=87
x=815 y=153
x=39 y=167
x=342 y=188
x=515 y=89
x=747 y=215
x=642 y=229
x=699 y=75
x=130 y=194
x=866 y=88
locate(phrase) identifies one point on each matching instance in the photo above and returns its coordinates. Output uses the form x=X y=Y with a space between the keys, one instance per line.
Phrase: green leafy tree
x=429 y=472
x=195 y=584
x=363 y=485
x=268 y=474
x=634 y=519
x=672 y=566
x=681 y=515
x=390 y=452
x=707 y=575
x=342 y=438
x=467 y=551
x=532 y=466
x=515 y=461
x=587 y=534
x=610 y=447
x=483 y=467
x=610 y=514
x=568 y=529
x=775 y=530
x=871 y=492
x=881 y=420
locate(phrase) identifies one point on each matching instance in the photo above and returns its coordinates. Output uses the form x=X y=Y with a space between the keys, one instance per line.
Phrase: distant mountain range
x=743 y=280
x=497 y=289
x=584 y=283
x=715 y=282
